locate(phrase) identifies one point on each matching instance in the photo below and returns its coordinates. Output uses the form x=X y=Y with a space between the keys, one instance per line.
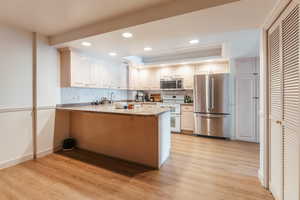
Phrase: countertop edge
x=107 y=112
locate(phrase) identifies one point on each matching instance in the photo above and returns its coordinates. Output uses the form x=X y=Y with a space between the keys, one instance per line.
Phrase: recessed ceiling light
x=127 y=35
x=194 y=41
x=112 y=54
x=147 y=49
x=87 y=44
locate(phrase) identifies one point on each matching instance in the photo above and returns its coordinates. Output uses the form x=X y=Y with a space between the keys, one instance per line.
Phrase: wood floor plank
x=198 y=168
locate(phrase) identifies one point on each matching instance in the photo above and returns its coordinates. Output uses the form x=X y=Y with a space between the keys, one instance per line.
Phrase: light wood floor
x=199 y=168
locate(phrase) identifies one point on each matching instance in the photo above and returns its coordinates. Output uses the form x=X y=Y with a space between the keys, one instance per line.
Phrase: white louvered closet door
x=284 y=96
x=291 y=97
x=276 y=133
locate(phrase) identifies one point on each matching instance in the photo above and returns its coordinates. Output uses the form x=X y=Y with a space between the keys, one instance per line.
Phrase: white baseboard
x=261 y=177
x=16 y=161
x=13 y=162
x=48 y=151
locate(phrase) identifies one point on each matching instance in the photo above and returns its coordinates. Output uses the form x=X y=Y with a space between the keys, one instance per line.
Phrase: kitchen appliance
x=155 y=97
x=172 y=83
x=211 y=105
x=140 y=96
x=120 y=105
x=173 y=102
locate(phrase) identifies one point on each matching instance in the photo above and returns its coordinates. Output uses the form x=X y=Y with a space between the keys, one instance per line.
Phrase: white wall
x=15 y=68
x=16 y=143
x=16 y=95
x=48 y=73
x=48 y=95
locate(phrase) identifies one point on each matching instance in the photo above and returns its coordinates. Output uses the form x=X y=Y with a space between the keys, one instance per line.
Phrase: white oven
x=173 y=102
x=175 y=108
x=175 y=123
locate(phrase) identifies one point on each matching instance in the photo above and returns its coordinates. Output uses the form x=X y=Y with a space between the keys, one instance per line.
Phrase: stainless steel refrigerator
x=211 y=105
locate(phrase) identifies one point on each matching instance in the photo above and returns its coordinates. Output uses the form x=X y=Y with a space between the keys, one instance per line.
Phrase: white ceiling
x=229 y=24
x=51 y=17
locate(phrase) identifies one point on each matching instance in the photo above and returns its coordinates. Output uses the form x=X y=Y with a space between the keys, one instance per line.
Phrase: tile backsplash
x=84 y=95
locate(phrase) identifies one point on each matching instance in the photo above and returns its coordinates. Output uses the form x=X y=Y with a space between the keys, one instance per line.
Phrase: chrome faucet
x=111 y=97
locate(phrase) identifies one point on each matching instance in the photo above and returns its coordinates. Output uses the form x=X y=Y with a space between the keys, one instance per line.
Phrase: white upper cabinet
x=187 y=73
x=133 y=75
x=214 y=68
x=78 y=70
x=155 y=79
x=144 y=79
x=168 y=72
x=149 y=79
x=83 y=71
x=75 y=70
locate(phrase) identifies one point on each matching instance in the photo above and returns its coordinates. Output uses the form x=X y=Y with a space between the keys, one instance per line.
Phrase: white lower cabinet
x=187 y=118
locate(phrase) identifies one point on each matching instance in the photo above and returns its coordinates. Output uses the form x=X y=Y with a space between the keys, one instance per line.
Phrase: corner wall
x=16 y=101
x=16 y=96
x=48 y=95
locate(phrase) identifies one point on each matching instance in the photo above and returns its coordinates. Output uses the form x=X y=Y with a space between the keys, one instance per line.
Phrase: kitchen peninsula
x=141 y=135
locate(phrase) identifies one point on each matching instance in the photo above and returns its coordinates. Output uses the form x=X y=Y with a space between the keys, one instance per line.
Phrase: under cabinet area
x=187 y=119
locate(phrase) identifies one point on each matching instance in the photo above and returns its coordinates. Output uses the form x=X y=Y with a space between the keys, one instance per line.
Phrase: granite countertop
x=142 y=110
x=152 y=102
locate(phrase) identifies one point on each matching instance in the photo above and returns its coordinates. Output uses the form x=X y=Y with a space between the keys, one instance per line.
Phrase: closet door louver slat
x=276 y=78
x=291 y=99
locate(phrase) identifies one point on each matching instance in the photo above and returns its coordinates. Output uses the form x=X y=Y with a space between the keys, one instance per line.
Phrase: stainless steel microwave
x=171 y=83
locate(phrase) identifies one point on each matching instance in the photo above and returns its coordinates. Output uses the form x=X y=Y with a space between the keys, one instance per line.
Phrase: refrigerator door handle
x=212 y=98
x=208 y=93
x=212 y=116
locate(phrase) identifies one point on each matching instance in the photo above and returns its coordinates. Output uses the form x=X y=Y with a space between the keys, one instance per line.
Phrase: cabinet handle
x=279 y=122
